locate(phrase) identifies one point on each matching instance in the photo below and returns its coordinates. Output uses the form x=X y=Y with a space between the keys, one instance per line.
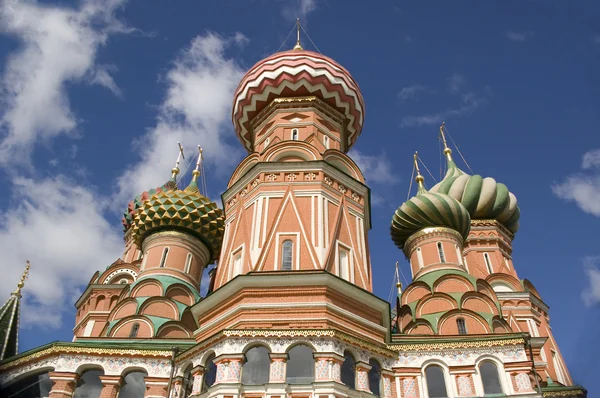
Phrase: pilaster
x=328 y=366
x=198 y=376
x=362 y=376
x=229 y=368
x=156 y=387
x=110 y=386
x=278 y=367
x=64 y=384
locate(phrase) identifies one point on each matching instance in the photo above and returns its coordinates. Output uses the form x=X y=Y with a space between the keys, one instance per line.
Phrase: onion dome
x=484 y=198
x=135 y=204
x=428 y=209
x=297 y=73
x=187 y=210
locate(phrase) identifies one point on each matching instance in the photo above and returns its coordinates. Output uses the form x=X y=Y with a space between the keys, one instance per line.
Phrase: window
x=348 y=370
x=461 y=326
x=488 y=263
x=300 y=365
x=420 y=257
x=441 y=252
x=134 y=330
x=436 y=382
x=237 y=264
x=210 y=373
x=134 y=385
x=557 y=368
x=326 y=141
x=139 y=255
x=344 y=264
x=188 y=382
x=489 y=378
x=295 y=134
x=188 y=263
x=255 y=370
x=163 y=259
x=286 y=255
x=145 y=259
x=375 y=377
x=89 y=384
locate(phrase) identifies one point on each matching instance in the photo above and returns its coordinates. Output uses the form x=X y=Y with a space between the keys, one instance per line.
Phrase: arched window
x=210 y=373
x=326 y=141
x=188 y=382
x=490 y=378
x=89 y=384
x=134 y=330
x=255 y=370
x=300 y=365
x=461 y=326
x=441 y=252
x=295 y=134
x=188 y=263
x=488 y=263
x=348 y=370
x=286 y=255
x=134 y=385
x=163 y=259
x=375 y=377
x=436 y=382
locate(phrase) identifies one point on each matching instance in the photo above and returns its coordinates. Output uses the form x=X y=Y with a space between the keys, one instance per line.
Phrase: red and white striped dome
x=297 y=73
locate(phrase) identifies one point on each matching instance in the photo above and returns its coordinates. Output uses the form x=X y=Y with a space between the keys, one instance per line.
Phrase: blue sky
x=96 y=93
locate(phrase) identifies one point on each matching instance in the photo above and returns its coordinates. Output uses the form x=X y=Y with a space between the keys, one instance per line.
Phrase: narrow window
x=348 y=370
x=163 y=259
x=436 y=382
x=488 y=263
x=237 y=264
x=557 y=368
x=134 y=330
x=188 y=263
x=286 y=255
x=139 y=255
x=144 y=261
x=420 y=257
x=344 y=265
x=461 y=326
x=441 y=252
x=490 y=378
x=295 y=134
x=458 y=255
x=375 y=377
x=210 y=373
x=326 y=141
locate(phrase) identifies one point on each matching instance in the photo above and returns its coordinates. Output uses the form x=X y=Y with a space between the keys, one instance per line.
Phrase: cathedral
x=290 y=310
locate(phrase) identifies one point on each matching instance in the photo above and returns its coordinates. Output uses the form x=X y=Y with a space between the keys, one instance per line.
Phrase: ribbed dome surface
x=484 y=198
x=184 y=210
x=297 y=73
x=428 y=210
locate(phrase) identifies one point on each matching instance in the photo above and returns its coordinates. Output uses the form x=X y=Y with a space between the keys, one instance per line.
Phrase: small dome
x=484 y=198
x=297 y=73
x=428 y=209
x=186 y=210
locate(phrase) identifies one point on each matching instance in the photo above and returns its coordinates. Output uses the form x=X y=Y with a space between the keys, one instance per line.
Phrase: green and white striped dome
x=484 y=198
x=429 y=209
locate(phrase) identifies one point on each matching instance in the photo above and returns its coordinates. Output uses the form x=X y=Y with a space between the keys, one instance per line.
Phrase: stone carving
x=310 y=176
x=342 y=189
x=291 y=177
x=271 y=177
x=120 y=271
x=328 y=181
x=244 y=192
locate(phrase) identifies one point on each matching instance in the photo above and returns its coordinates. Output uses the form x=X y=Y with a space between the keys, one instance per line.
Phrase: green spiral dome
x=186 y=210
x=428 y=209
x=484 y=198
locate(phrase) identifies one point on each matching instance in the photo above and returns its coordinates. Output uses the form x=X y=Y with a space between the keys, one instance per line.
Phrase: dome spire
x=419 y=178
x=298 y=46
x=23 y=278
x=175 y=170
x=193 y=187
x=447 y=150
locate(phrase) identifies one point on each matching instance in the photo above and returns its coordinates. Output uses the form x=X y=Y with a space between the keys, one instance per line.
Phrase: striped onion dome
x=185 y=210
x=297 y=73
x=484 y=198
x=428 y=209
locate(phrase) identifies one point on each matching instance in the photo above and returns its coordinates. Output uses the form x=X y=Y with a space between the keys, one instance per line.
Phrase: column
x=278 y=367
x=156 y=387
x=110 y=386
x=198 y=376
x=328 y=366
x=229 y=368
x=362 y=376
x=64 y=384
x=387 y=384
x=176 y=387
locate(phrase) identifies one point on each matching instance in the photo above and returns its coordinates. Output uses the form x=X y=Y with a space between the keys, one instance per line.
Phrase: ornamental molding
x=569 y=393
x=490 y=223
x=427 y=233
x=120 y=271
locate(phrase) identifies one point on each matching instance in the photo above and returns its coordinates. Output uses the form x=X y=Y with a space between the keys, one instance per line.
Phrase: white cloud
x=518 y=36
x=195 y=111
x=583 y=188
x=376 y=168
x=57 y=225
x=591 y=267
x=58 y=45
x=413 y=91
x=455 y=83
x=299 y=9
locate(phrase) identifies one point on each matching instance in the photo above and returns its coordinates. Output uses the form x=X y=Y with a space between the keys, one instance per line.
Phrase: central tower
x=297 y=201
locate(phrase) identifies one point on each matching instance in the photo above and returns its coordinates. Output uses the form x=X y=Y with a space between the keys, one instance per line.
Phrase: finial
x=298 y=46
x=398 y=283
x=175 y=170
x=419 y=178
x=23 y=278
x=447 y=151
x=196 y=171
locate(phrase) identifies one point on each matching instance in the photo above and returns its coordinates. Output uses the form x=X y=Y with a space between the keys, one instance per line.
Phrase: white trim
x=87 y=332
x=448 y=378
x=163 y=257
x=144 y=261
x=188 y=263
x=233 y=272
x=458 y=255
x=420 y=258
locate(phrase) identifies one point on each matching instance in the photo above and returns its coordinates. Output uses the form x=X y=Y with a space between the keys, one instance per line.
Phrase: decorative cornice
x=568 y=393
x=456 y=344
x=427 y=233
x=493 y=224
